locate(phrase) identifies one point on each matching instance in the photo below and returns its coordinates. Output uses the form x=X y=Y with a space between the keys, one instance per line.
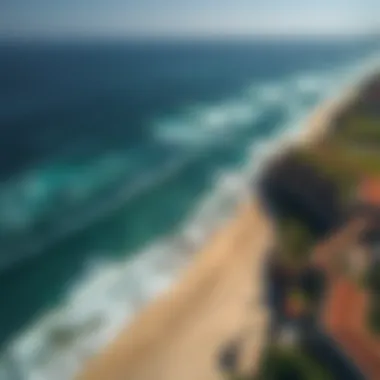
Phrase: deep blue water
x=107 y=147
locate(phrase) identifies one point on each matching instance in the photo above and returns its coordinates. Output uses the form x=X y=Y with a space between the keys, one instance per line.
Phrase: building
x=344 y=312
x=344 y=320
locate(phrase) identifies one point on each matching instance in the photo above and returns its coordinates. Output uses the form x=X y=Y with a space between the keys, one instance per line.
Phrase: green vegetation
x=373 y=283
x=360 y=129
x=345 y=157
x=299 y=302
x=289 y=364
x=349 y=154
x=374 y=315
x=296 y=240
x=358 y=152
x=337 y=164
x=373 y=279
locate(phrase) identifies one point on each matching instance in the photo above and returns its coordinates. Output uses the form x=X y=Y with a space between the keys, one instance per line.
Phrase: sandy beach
x=219 y=298
x=180 y=335
x=317 y=126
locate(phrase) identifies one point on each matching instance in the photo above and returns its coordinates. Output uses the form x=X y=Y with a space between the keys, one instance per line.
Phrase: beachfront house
x=343 y=317
x=344 y=320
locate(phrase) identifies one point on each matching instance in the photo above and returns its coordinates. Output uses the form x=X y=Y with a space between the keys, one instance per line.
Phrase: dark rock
x=228 y=358
x=290 y=188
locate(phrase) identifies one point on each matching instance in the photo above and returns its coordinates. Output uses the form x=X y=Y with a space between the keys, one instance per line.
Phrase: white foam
x=208 y=124
x=271 y=93
x=110 y=293
x=94 y=311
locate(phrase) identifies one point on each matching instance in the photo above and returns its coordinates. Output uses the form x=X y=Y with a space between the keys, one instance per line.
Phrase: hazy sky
x=187 y=17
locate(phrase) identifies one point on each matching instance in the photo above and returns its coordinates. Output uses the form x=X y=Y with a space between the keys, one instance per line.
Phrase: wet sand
x=220 y=297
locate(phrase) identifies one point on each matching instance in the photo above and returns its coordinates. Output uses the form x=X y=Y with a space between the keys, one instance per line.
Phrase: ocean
x=119 y=159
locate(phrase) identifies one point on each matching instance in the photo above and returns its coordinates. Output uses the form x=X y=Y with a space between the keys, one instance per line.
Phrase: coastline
x=180 y=334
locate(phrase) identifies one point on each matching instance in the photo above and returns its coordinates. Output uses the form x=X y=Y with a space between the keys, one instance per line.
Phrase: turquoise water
x=120 y=159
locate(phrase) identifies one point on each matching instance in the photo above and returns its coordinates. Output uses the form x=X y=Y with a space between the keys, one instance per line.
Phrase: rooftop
x=369 y=191
x=344 y=319
x=346 y=304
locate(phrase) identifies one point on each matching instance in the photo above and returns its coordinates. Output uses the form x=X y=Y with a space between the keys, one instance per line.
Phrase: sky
x=49 y=18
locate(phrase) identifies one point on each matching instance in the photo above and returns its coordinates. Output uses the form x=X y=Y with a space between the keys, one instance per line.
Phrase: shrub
x=374 y=315
x=295 y=240
x=281 y=364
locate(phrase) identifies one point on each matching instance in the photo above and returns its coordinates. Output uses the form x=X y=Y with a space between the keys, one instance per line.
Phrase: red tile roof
x=344 y=317
x=369 y=191
x=344 y=312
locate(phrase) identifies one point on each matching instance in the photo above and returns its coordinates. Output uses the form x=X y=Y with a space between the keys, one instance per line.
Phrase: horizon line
x=185 y=37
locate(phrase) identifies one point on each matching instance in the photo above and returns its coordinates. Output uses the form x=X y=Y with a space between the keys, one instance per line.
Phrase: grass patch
x=343 y=165
x=373 y=285
x=374 y=315
x=291 y=364
x=296 y=241
x=361 y=129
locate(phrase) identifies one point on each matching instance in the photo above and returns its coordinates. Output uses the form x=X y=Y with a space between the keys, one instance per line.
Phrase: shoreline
x=183 y=322
x=220 y=274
